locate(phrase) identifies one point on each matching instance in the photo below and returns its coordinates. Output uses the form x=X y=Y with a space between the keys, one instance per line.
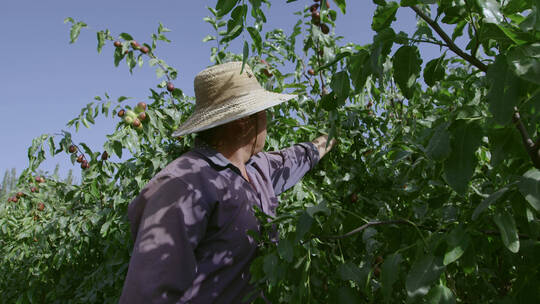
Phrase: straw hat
x=222 y=95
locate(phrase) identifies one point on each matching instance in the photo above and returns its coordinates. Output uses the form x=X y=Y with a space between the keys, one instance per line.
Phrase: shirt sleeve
x=171 y=222
x=289 y=165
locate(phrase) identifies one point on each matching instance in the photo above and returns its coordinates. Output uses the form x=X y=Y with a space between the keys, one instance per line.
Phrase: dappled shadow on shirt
x=190 y=224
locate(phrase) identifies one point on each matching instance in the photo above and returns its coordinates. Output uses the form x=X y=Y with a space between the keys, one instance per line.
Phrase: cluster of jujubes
x=135 y=118
x=145 y=49
x=34 y=189
x=316 y=15
x=80 y=158
x=134 y=45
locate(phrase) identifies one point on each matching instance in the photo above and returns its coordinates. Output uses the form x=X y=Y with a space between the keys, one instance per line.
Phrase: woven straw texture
x=222 y=95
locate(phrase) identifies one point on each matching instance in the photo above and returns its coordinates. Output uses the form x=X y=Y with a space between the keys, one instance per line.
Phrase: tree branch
x=451 y=45
x=366 y=225
x=533 y=149
x=377 y=223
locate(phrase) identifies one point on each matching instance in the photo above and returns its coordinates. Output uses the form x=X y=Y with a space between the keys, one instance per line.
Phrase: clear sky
x=45 y=81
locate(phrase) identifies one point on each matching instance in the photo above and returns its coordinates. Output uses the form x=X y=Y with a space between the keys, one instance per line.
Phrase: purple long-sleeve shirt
x=190 y=224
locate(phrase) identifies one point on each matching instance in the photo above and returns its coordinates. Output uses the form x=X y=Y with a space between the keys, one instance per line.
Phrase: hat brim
x=235 y=108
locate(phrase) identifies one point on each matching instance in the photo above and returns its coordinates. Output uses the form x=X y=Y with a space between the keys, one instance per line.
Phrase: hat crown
x=223 y=94
x=220 y=83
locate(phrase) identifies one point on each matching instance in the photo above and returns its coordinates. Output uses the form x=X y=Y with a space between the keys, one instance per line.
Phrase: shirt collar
x=211 y=154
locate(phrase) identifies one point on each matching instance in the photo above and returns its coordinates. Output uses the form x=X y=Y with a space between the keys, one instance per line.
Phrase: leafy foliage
x=430 y=195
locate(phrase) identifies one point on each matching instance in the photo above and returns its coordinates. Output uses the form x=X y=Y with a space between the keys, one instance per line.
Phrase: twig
x=533 y=149
x=477 y=38
x=367 y=225
x=451 y=45
x=428 y=41
x=307 y=77
x=497 y=233
x=323 y=87
x=166 y=73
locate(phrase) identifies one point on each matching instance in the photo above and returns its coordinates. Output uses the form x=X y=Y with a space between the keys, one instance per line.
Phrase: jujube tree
x=432 y=194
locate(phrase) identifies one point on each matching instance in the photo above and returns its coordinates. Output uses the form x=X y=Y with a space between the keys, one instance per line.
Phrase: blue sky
x=45 y=81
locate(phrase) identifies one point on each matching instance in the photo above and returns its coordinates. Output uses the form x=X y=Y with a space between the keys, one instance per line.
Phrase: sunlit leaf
x=423 y=273
x=491 y=11
x=507 y=227
x=441 y=294
x=529 y=186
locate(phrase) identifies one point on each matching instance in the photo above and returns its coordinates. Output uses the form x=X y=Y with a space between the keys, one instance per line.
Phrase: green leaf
x=89 y=116
x=439 y=144
x=163 y=38
x=270 y=263
x=117 y=148
x=359 y=68
x=505 y=144
x=51 y=145
x=285 y=250
x=130 y=61
x=160 y=72
x=525 y=62
x=458 y=30
x=235 y=25
x=491 y=10
x=105 y=229
x=440 y=294
x=153 y=62
x=459 y=166
x=208 y=38
x=503 y=93
x=384 y=15
x=223 y=7
x=118 y=56
x=508 y=230
x=434 y=71
x=488 y=201
x=162 y=29
x=330 y=102
x=126 y=36
x=340 y=84
x=101 y=40
x=343 y=54
x=532 y=22
x=75 y=31
x=256 y=37
x=345 y=294
x=350 y=271
x=342 y=6
x=381 y=47
x=529 y=186
x=390 y=273
x=423 y=273
x=457 y=242
x=245 y=55
x=303 y=225
x=407 y=66
x=85 y=123
x=407 y=3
